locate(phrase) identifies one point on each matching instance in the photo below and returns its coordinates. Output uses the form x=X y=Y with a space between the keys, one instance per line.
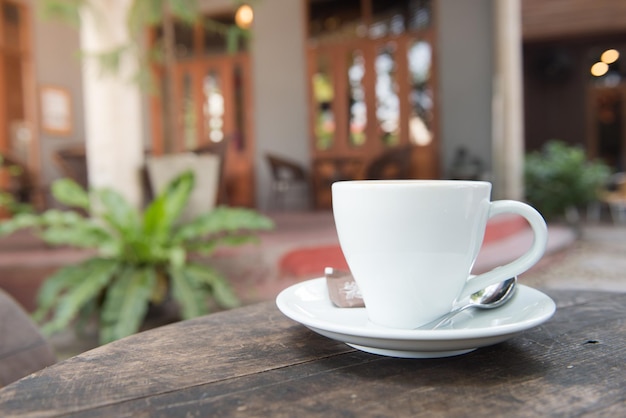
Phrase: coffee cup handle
x=524 y=262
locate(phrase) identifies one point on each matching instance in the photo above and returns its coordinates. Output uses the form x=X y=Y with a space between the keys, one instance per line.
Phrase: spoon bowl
x=490 y=297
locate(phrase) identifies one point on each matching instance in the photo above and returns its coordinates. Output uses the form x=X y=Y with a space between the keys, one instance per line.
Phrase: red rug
x=308 y=262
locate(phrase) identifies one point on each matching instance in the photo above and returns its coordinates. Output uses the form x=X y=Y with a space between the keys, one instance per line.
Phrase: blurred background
x=293 y=95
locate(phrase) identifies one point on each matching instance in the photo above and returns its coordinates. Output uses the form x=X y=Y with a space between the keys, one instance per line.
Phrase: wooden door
x=366 y=99
x=607 y=125
x=212 y=96
x=17 y=110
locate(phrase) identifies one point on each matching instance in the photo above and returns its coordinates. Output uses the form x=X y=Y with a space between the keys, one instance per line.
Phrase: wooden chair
x=391 y=165
x=220 y=150
x=23 y=350
x=614 y=196
x=290 y=182
x=327 y=170
x=72 y=162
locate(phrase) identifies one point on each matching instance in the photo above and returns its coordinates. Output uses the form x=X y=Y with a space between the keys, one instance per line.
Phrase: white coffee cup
x=411 y=244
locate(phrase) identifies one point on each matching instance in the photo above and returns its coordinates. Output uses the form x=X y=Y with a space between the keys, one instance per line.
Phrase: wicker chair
x=290 y=183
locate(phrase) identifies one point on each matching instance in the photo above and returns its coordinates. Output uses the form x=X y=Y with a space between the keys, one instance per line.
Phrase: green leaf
x=85 y=315
x=223 y=219
x=185 y=10
x=161 y=214
x=221 y=290
x=65 y=10
x=109 y=61
x=232 y=39
x=55 y=285
x=177 y=257
x=144 y=13
x=561 y=177
x=55 y=217
x=207 y=247
x=20 y=221
x=144 y=250
x=126 y=303
x=70 y=193
x=69 y=228
x=98 y=275
x=88 y=236
x=190 y=297
x=119 y=213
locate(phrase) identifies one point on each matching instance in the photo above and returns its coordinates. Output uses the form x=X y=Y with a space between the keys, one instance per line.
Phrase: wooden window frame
x=341 y=154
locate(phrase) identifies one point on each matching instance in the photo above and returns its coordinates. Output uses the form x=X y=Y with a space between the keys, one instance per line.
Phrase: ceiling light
x=244 y=16
x=599 y=69
x=609 y=56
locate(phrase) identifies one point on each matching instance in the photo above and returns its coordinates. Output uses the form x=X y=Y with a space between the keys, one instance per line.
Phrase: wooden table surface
x=254 y=361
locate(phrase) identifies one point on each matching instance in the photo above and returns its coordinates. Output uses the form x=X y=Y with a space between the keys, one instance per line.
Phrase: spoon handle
x=445 y=319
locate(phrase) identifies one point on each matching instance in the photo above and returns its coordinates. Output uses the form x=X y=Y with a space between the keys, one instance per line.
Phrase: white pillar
x=508 y=102
x=280 y=91
x=113 y=118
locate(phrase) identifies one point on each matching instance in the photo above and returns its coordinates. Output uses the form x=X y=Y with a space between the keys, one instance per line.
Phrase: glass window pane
x=421 y=93
x=393 y=17
x=389 y=17
x=323 y=94
x=387 y=101
x=358 y=108
x=213 y=107
x=419 y=14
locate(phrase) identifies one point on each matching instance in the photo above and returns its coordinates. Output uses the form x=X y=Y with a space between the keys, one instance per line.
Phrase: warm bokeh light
x=609 y=56
x=244 y=16
x=599 y=69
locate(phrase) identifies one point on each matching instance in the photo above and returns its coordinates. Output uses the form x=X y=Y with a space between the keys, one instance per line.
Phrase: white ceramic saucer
x=308 y=303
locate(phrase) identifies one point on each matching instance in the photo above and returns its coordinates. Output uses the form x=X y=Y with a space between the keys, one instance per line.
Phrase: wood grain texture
x=254 y=361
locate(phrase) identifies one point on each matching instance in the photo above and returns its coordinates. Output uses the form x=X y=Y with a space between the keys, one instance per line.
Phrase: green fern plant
x=561 y=177
x=141 y=257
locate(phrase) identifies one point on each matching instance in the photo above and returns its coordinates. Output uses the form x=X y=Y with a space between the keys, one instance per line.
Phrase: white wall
x=465 y=63
x=57 y=63
x=279 y=78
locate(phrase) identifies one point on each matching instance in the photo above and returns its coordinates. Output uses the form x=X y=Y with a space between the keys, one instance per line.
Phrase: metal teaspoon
x=490 y=297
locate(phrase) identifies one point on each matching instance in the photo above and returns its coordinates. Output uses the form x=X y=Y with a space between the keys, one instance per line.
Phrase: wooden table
x=254 y=361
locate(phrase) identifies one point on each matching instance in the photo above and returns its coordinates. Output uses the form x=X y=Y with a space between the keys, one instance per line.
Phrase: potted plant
x=140 y=258
x=560 y=180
